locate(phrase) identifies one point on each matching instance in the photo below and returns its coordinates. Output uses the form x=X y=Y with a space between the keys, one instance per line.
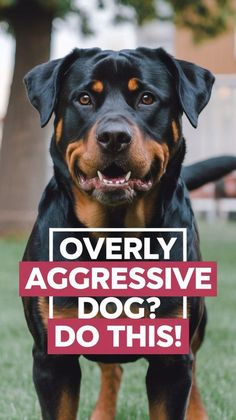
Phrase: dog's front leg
x=168 y=382
x=57 y=382
x=105 y=408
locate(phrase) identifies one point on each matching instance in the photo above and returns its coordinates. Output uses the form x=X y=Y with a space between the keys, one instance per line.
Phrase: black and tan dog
x=117 y=151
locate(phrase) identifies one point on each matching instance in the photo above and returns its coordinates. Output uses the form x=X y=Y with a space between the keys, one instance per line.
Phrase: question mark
x=154 y=304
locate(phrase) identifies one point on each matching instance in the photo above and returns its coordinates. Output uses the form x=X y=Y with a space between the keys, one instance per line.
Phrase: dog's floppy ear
x=193 y=84
x=42 y=84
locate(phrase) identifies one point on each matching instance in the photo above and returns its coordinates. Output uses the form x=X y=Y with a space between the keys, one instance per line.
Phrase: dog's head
x=117 y=116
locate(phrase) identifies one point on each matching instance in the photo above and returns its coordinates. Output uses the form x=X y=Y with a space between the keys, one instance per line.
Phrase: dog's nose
x=114 y=140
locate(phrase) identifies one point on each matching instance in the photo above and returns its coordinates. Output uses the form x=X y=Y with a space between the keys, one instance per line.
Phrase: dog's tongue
x=110 y=184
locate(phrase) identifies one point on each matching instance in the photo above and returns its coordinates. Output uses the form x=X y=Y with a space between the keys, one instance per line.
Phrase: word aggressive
x=119 y=279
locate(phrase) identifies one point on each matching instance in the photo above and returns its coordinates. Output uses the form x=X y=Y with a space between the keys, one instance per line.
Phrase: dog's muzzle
x=113 y=135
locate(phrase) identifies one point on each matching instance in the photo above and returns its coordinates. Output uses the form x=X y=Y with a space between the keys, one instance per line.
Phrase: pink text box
x=102 y=336
x=207 y=287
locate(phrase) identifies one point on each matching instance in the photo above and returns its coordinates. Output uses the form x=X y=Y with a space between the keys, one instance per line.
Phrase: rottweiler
x=117 y=150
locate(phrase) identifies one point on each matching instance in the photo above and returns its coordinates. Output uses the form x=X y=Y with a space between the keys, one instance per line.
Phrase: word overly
x=117 y=248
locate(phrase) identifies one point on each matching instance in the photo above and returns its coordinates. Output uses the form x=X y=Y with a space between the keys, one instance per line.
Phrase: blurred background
x=33 y=31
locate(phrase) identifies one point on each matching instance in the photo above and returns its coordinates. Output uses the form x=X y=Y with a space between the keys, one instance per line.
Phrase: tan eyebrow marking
x=175 y=131
x=58 y=131
x=97 y=86
x=133 y=84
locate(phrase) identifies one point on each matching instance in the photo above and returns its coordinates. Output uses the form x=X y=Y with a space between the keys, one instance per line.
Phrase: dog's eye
x=84 y=99
x=147 y=99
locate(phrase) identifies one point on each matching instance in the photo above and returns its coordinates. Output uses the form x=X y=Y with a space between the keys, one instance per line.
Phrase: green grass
x=216 y=360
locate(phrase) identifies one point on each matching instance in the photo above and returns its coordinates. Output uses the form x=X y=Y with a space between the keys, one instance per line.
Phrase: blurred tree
x=206 y=18
x=24 y=147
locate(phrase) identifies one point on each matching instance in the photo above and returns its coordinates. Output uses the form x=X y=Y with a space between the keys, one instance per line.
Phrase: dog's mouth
x=114 y=178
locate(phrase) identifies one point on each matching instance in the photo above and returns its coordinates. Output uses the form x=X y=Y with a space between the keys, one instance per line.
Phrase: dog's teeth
x=100 y=175
x=119 y=181
x=128 y=176
x=107 y=181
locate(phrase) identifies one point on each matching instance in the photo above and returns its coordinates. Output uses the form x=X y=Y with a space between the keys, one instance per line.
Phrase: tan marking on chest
x=139 y=213
x=89 y=211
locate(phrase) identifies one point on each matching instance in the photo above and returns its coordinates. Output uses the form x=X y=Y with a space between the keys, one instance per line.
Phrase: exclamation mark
x=178 y=335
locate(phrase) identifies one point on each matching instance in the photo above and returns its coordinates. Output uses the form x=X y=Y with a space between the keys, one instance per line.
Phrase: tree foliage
x=206 y=18
x=56 y=7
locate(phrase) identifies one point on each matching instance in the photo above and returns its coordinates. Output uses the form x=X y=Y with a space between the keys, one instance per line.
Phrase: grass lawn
x=216 y=361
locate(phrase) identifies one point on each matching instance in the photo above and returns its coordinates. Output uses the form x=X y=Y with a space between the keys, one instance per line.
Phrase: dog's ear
x=42 y=84
x=193 y=84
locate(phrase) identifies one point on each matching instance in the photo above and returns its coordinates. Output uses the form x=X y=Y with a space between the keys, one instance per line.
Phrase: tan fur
x=160 y=152
x=97 y=86
x=140 y=212
x=196 y=342
x=95 y=215
x=105 y=408
x=175 y=131
x=178 y=312
x=58 y=313
x=85 y=152
x=58 y=130
x=68 y=406
x=196 y=410
x=158 y=412
x=43 y=311
x=133 y=84
x=89 y=211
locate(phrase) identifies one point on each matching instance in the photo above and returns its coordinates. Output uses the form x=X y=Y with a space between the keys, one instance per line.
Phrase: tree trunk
x=23 y=160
